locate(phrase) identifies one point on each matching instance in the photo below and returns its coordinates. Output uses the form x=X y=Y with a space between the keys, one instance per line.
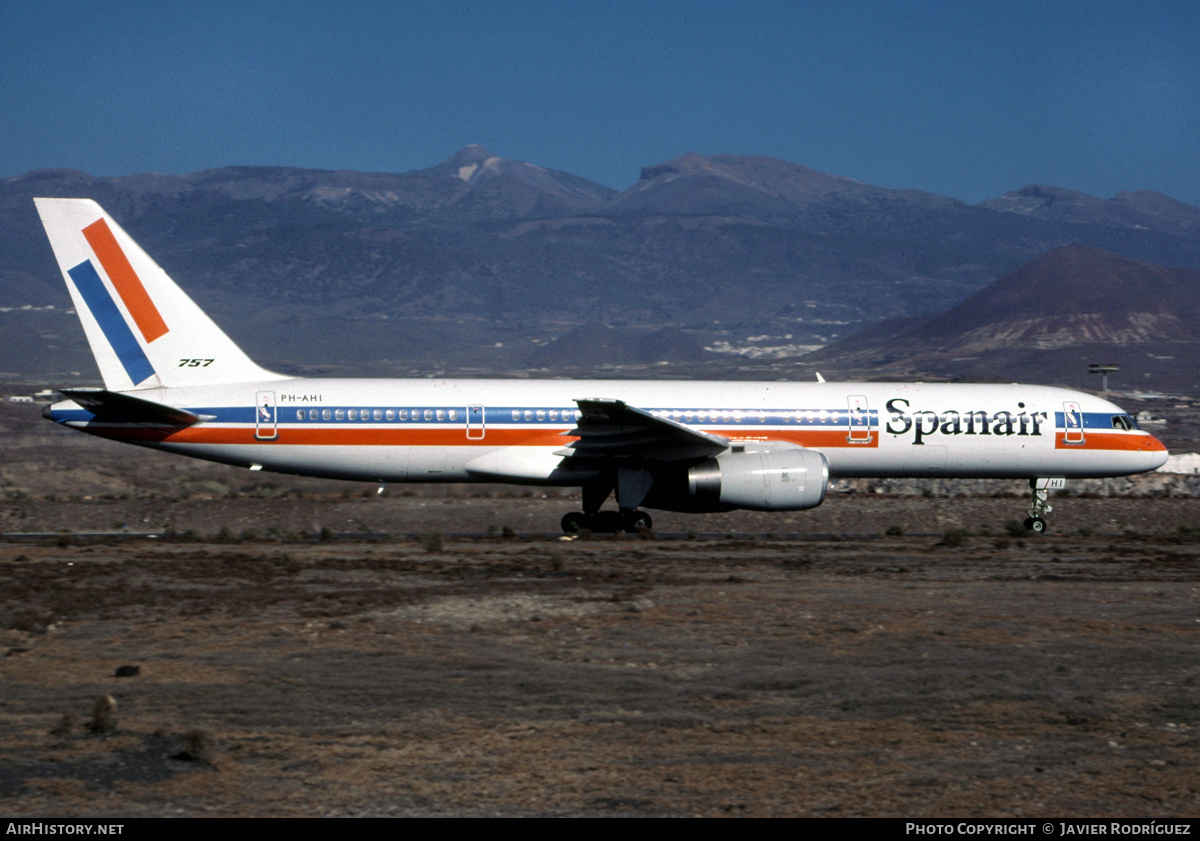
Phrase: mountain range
x=480 y=263
x=1052 y=316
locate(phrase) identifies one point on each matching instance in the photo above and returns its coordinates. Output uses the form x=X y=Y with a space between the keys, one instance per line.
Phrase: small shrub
x=197 y=747
x=66 y=725
x=1015 y=529
x=104 y=715
x=431 y=541
x=953 y=538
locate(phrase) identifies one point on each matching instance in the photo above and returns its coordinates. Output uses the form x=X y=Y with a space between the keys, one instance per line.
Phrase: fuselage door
x=265 y=416
x=475 y=426
x=859 y=419
x=1072 y=423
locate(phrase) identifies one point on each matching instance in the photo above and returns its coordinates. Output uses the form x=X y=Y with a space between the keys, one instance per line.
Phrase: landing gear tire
x=1035 y=524
x=574 y=522
x=631 y=521
x=605 y=521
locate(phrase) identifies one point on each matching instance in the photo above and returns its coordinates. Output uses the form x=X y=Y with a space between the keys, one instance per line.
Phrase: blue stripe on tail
x=105 y=311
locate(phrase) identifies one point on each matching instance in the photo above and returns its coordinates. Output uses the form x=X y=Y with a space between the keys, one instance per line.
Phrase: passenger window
x=338 y=414
x=377 y=414
x=516 y=415
x=404 y=414
x=353 y=414
x=325 y=414
x=299 y=414
x=441 y=414
x=391 y=415
x=528 y=414
x=554 y=414
x=454 y=414
x=429 y=414
x=541 y=414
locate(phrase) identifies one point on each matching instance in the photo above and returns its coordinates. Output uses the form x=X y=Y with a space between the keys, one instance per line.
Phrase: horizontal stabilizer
x=115 y=406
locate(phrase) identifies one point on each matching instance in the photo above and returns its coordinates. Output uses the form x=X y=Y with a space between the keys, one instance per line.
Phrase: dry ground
x=1054 y=676
x=462 y=673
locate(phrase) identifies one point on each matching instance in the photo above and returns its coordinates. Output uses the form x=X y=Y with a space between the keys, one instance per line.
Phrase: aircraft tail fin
x=144 y=331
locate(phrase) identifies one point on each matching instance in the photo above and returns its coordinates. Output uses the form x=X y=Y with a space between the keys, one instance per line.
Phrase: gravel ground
x=310 y=648
x=892 y=676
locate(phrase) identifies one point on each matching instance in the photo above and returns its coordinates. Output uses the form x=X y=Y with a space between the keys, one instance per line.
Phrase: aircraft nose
x=1156 y=451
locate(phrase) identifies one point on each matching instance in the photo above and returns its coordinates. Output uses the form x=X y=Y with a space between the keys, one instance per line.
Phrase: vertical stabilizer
x=144 y=331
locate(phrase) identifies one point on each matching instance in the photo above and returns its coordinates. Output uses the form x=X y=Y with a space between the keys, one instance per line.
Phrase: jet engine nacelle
x=760 y=476
x=770 y=476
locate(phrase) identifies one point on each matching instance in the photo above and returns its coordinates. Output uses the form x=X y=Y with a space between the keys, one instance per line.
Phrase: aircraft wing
x=115 y=406
x=610 y=427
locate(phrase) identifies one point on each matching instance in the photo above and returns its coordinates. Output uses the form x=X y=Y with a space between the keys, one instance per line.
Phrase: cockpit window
x=1123 y=422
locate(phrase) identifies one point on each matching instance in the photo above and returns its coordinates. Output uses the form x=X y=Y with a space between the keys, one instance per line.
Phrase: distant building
x=1184 y=463
x=1144 y=417
x=19 y=398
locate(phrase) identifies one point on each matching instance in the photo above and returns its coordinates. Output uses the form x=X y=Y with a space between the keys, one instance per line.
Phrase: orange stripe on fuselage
x=420 y=437
x=1110 y=441
x=125 y=279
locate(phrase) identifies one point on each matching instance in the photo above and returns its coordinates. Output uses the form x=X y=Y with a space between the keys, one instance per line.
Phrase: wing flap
x=609 y=428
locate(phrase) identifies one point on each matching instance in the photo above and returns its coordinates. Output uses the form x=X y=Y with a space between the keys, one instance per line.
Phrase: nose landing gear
x=1039 y=507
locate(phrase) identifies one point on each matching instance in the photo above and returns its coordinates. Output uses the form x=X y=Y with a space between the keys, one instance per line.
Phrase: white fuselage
x=430 y=430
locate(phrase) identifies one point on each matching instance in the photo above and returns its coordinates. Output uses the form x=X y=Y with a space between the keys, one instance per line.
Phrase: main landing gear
x=631 y=485
x=1039 y=507
x=606 y=521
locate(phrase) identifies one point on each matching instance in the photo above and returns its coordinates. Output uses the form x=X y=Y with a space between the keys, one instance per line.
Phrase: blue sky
x=968 y=99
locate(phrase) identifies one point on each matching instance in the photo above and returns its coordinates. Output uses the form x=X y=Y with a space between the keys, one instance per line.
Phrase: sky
x=967 y=99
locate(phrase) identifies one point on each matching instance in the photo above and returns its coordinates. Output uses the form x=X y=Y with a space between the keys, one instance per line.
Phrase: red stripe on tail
x=125 y=279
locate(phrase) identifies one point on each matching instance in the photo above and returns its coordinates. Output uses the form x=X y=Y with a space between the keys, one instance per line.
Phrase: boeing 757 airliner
x=174 y=381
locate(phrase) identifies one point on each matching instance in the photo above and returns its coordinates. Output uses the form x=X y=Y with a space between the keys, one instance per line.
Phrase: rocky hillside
x=1061 y=311
x=480 y=260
